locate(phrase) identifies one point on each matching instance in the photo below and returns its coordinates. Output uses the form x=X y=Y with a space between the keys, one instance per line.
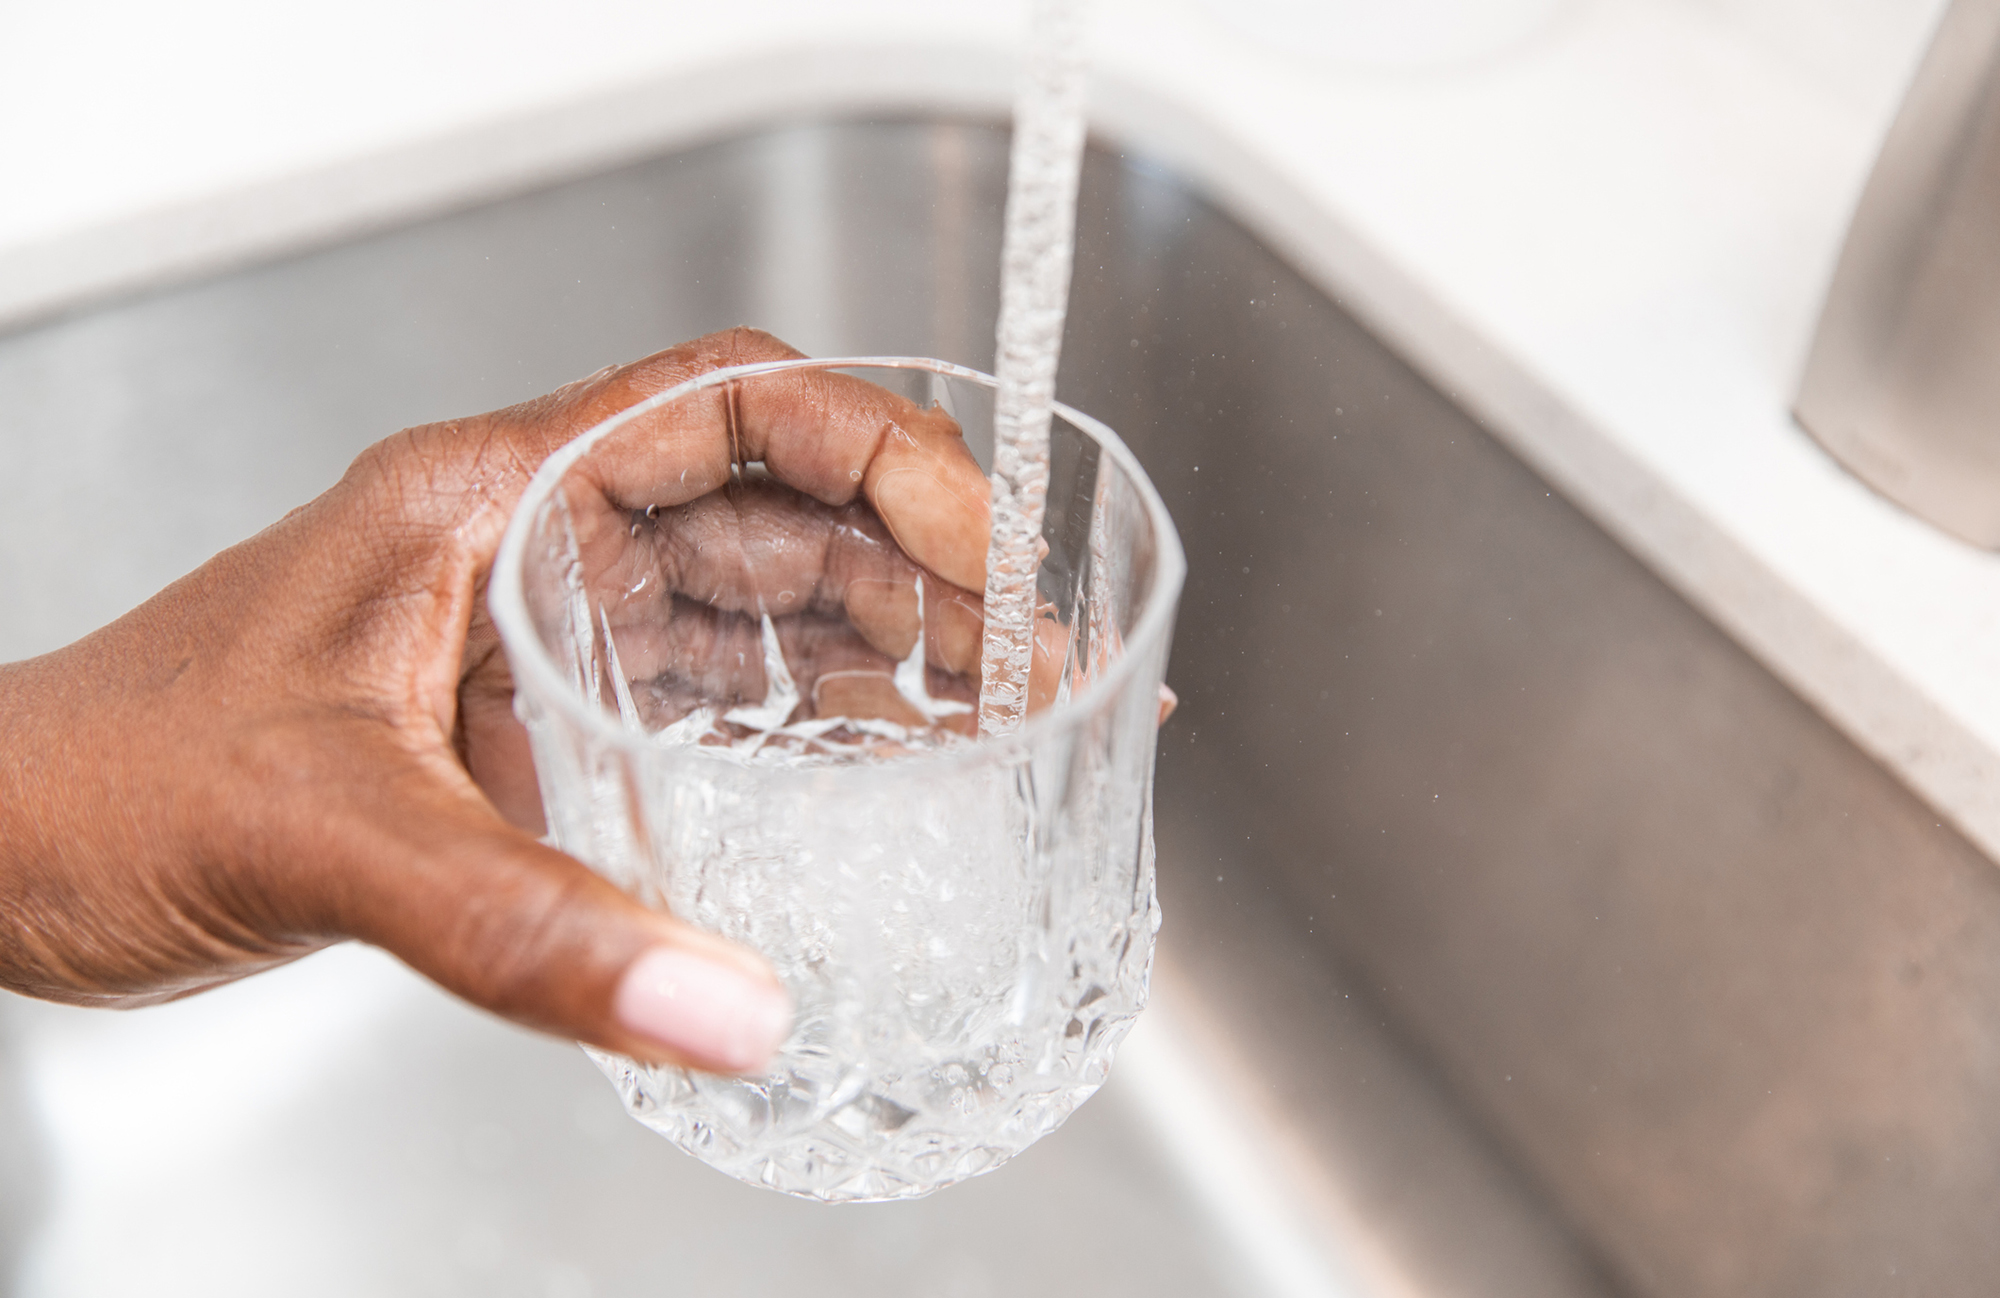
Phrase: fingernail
x=702 y=1009
x=933 y=525
x=959 y=630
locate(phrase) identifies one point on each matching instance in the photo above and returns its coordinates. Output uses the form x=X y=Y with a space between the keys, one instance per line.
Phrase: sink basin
x=1524 y=936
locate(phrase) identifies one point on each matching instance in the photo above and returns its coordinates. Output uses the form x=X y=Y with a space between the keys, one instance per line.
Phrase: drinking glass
x=965 y=924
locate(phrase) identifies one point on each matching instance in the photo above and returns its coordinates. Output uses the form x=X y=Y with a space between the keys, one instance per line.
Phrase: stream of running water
x=1036 y=252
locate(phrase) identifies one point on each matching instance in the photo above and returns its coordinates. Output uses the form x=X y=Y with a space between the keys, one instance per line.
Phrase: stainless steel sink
x=1524 y=936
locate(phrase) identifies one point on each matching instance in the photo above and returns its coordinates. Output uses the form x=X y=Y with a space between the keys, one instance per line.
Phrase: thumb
x=535 y=936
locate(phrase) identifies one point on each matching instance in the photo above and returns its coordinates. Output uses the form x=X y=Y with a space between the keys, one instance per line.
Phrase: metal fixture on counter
x=1903 y=382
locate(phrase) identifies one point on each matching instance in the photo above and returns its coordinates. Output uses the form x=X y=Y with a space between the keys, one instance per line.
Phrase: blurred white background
x=108 y=107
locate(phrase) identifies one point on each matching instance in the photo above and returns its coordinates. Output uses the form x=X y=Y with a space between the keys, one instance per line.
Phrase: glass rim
x=506 y=596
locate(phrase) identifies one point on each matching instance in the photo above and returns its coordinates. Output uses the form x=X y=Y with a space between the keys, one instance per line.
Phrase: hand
x=311 y=738
x=685 y=568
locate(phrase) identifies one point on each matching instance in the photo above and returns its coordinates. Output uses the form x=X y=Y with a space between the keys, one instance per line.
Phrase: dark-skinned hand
x=311 y=739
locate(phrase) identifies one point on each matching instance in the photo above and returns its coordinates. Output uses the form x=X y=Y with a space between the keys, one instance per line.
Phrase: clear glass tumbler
x=751 y=707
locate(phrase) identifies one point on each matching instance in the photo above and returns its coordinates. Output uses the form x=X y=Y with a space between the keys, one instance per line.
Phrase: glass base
x=860 y=1142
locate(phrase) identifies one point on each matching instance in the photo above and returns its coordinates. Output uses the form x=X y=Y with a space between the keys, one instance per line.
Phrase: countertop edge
x=1942 y=760
x=526 y=150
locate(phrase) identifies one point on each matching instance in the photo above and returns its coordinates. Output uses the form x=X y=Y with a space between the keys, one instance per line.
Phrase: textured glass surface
x=966 y=926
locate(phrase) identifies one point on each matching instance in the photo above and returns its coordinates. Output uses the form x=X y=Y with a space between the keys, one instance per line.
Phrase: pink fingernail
x=702 y=1009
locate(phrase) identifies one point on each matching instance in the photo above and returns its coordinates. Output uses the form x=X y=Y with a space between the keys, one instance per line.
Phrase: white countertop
x=1607 y=238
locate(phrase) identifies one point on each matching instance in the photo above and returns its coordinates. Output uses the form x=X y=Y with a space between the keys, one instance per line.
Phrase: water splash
x=763 y=731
